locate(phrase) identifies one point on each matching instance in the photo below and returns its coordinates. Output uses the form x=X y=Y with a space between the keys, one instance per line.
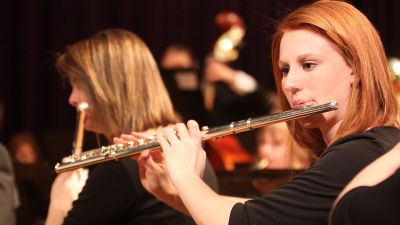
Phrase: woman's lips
x=299 y=103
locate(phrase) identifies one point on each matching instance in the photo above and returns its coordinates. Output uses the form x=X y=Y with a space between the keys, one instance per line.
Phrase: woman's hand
x=155 y=178
x=66 y=188
x=184 y=155
x=153 y=174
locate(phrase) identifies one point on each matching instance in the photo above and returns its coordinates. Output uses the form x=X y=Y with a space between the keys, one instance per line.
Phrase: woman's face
x=78 y=96
x=25 y=154
x=174 y=59
x=314 y=72
x=274 y=147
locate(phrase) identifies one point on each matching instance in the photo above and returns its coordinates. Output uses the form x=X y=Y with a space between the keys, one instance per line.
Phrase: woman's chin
x=311 y=122
x=93 y=129
x=307 y=123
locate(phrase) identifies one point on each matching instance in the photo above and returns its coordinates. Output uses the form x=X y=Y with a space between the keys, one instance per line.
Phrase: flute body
x=116 y=151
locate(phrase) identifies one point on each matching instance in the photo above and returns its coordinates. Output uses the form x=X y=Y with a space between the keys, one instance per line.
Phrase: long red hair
x=372 y=102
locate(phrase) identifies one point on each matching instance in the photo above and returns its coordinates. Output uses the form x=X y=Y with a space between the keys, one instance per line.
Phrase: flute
x=116 y=151
x=79 y=128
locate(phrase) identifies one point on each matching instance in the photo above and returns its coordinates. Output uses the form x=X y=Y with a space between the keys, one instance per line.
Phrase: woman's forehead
x=302 y=43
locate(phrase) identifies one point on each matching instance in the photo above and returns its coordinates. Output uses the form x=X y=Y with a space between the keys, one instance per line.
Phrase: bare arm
x=204 y=205
x=236 y=199
x=240 y=82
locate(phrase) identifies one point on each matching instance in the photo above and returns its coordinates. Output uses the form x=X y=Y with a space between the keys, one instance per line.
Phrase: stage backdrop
x=34 y=31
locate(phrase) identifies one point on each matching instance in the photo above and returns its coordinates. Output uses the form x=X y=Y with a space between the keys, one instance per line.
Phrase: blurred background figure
x=34 y=177
x=279 y=153
x=25 y=148
x=9 y=200
x=278 y=150
x=181 y=74
x=231 y=94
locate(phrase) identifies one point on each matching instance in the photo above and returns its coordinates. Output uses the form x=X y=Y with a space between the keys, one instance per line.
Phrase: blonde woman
x=115 y=73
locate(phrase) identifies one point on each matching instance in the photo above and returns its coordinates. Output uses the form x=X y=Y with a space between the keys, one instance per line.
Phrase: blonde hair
x=121 y=81
x=372 y=100
x=300 y=157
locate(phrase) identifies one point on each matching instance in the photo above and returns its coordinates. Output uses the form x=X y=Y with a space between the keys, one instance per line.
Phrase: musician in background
x=235 y=89
x=180 y=71
x=115 y=73
x=324 y=51
x=34 y=177
x=231 y=93
x=277 y=150
x=9 y=199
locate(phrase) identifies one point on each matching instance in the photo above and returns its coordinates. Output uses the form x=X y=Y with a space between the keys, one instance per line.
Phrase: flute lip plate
x=83 y=106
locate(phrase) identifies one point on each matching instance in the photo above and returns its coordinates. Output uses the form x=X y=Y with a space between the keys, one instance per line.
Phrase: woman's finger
x=170 y=135
x=194 y=130
x=139 y=135
x=182 y=131
x=127 y=137
x=162 y=140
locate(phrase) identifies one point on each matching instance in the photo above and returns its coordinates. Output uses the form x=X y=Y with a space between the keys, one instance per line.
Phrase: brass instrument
x=116 y=151
x=79 y=128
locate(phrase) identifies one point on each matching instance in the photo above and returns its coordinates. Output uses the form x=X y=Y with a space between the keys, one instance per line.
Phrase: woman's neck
x=329 y=131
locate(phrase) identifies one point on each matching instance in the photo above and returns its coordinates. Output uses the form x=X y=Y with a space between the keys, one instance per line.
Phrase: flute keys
x=131 y=144
x=141 y=142
x=151 y=139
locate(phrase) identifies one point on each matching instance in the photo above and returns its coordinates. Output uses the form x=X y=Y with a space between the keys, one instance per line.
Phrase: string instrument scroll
x=225 y=48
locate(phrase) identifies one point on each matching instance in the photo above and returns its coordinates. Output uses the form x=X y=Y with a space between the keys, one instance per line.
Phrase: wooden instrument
x=116 y=151
x=225 y=48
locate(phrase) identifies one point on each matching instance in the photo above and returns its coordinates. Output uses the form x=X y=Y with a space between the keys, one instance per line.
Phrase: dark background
x=34 y=31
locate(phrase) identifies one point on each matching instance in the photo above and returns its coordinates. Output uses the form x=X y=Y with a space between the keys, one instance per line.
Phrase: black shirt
x=307 y=199
x=113 y=194
x=377 y=205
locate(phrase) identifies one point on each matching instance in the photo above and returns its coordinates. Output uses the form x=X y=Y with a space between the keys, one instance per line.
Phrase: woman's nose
x=73 y=99
x=291 y=82
x=266 y=149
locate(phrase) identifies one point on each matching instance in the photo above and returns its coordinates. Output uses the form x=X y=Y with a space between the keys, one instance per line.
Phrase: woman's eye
x=308 y=65
x=284 y=70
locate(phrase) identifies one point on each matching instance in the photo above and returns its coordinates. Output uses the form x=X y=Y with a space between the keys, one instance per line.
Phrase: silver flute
x=116 y=151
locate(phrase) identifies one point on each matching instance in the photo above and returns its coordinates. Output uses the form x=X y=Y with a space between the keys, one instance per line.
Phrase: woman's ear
x=352 y=77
